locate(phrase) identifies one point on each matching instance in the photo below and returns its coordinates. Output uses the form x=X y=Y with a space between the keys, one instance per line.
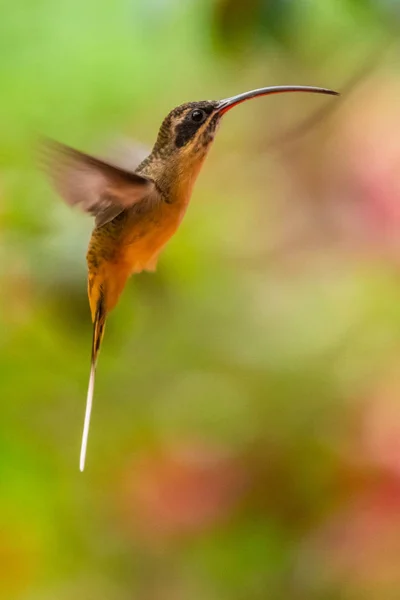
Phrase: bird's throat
x=174 y=176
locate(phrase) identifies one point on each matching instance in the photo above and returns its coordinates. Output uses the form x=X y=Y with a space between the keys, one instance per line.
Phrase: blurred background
x=245 y=439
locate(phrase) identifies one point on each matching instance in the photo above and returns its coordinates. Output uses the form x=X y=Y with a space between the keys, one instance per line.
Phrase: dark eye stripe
x=184 y=132
x=186 y=129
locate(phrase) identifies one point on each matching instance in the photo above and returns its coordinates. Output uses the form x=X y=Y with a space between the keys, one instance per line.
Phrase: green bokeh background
x=226 y=380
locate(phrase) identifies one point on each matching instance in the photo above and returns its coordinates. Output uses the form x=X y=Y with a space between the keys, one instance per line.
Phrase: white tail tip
x=88 y=412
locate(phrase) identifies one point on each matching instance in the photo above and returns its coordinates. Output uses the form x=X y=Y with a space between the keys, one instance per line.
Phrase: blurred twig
x=371 y=64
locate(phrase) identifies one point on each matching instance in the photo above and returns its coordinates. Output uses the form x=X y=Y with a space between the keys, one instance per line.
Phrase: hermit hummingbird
x=138 y=209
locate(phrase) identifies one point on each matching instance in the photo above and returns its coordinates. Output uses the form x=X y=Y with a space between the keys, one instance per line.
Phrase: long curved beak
x=228 y=103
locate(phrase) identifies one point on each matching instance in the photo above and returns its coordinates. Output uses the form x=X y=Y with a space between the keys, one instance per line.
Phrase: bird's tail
x=99 y=320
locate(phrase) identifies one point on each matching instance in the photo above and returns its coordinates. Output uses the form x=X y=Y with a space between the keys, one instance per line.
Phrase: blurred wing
x=99 y=188
x=125 y=153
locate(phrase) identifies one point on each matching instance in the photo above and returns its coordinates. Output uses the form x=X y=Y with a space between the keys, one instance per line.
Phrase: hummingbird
x=138 y=206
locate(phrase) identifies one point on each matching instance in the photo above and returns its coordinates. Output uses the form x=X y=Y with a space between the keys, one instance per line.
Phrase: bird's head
x=186 y=134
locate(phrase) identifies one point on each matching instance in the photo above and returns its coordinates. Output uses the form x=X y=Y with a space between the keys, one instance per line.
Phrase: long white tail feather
x=88 y=412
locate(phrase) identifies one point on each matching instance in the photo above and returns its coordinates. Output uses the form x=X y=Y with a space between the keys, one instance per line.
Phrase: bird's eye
x=197 y=115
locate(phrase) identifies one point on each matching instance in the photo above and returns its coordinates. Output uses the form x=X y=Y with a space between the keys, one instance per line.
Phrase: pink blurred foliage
x=341 y=178
x=357 y=543
x=368 y=158
x=180 y=490
x=380 y=440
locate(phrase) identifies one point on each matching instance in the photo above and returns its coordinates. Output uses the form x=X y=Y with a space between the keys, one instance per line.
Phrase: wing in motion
x=98 y=187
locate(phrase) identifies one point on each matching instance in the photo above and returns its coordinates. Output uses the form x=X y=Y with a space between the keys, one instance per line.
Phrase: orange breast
x=143 y=242
x=132 y=242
